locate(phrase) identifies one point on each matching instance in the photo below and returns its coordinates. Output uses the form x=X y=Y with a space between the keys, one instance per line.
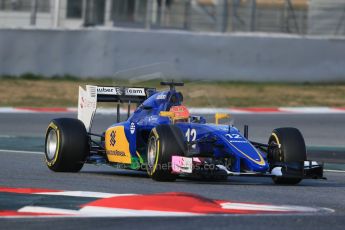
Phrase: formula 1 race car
x=164 y=139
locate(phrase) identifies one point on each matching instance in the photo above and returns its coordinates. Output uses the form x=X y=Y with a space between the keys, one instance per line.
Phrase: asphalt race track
x=27 y=170
x=318 y=129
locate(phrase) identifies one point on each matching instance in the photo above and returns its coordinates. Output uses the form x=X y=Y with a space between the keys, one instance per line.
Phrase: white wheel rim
x=51 y=144
x=151 y=153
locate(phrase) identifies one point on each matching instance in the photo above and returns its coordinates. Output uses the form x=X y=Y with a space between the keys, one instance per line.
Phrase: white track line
x=90 y=211
x=20 y=151
x=336 y=171
x=94 y=211
x=56 y=211
x=85 y=194
x=265 y=207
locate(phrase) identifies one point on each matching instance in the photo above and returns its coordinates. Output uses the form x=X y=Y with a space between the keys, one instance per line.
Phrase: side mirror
x=220 y=116
x=171 y=115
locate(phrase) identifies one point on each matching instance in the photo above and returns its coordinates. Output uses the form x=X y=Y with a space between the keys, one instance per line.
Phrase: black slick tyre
x=286 y=146
x=66 y=145
x=164 y=142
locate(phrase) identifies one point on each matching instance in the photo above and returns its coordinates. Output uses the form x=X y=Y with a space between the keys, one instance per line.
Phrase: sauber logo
x=84 y=103
x=116 y=153
x=109 y=90
x=112 y=138
x=161 y=97
x=121 y=91
x=135 y=92
x=132 y=128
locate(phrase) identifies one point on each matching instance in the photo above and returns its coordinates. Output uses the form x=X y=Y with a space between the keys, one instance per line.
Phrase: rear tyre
x=66 y=145
x=164 y=142
x=286 y=146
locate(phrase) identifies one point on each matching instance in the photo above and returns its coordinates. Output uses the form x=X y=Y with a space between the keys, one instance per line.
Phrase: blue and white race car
x=164 y=139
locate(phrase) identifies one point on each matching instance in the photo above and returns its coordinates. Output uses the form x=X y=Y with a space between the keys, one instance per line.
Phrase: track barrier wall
x=130 y=53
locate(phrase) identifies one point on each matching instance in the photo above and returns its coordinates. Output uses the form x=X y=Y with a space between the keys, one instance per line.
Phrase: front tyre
x=164 y=142
x=66 y=145
x=286 y=145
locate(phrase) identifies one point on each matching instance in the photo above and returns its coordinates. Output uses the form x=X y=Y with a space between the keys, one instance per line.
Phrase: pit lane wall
x=124 y=53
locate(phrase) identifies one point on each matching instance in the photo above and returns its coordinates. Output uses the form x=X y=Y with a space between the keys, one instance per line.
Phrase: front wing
x=201 y=166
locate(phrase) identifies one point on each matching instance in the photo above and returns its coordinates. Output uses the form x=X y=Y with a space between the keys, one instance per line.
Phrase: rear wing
x=88 y=98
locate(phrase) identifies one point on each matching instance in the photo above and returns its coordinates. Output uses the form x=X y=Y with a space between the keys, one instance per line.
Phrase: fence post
x=163 y=13
x=56 y=13
x=234 y=7
x=83 y=12
x=253 y=16
x=187 y=15
x=149 y=13
x=33 y=14
x=292 y=12
x=341 y=22
x=222 y=15
x=108 y=13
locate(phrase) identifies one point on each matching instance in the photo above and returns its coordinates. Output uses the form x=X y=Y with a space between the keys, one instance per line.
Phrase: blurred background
x=303 y=17
x=298 y=46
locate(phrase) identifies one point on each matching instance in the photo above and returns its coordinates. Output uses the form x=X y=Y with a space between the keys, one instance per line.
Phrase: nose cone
x=241 y=147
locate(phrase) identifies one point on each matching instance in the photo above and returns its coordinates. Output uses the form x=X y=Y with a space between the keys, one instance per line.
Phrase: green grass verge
x=39 y=91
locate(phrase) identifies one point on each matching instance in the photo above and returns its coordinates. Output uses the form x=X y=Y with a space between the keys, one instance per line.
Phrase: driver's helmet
x=181 y=113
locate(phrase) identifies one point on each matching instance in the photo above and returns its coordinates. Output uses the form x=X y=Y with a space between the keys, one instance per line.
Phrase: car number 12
x=233 y=136
x=191 y=136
